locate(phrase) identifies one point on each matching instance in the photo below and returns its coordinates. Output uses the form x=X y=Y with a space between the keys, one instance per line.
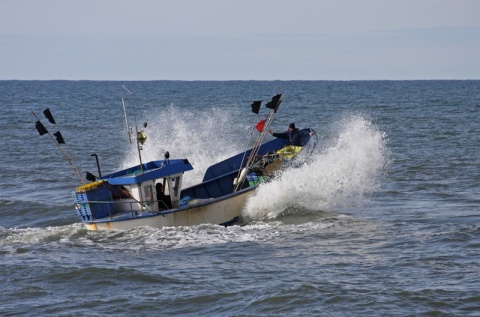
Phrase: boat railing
x=119 y=208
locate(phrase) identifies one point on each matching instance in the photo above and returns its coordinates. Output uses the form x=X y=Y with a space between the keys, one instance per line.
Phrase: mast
x=141 y=137
x=129 y=129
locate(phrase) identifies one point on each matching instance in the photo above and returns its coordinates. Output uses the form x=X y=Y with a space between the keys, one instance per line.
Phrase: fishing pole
x=255 y=109
x=274 y=104
x=50 y=118
x=42 y=130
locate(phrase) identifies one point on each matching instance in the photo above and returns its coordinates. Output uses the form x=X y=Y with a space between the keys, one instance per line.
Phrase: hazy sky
x=245 y=39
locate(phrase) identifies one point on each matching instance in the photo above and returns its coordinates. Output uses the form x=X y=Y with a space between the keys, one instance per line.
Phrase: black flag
x=41 y=129
x=48 y=115
x=91 y=177
x=275 y=103
x=256 y=106
x=59 y=137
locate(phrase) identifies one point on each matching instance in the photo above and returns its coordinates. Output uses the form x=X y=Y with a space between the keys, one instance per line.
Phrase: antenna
x=134 y=110
x=140 y=135
x=129 y=130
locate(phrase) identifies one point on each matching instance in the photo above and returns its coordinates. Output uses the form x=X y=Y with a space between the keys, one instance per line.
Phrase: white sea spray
x=343 y=172
x=202 y=137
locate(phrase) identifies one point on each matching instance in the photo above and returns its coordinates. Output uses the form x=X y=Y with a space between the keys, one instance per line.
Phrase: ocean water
x=382 y=221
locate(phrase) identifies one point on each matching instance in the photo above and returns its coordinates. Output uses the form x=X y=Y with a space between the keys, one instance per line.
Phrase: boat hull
x=221 y=211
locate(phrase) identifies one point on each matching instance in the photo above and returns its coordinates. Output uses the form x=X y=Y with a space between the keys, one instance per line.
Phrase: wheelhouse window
x=149 y=197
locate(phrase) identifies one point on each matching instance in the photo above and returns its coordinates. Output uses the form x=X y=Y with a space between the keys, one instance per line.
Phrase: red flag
x=260 y=125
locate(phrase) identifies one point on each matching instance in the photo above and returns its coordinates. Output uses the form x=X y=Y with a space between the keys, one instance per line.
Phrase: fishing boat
x=151 y=194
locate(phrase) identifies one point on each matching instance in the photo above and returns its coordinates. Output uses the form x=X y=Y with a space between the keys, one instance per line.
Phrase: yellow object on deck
x=88 y=187
x=289 y=151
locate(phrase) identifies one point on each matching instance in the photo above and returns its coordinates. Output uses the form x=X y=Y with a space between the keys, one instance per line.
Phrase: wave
x=342 y=173
x=27 y=240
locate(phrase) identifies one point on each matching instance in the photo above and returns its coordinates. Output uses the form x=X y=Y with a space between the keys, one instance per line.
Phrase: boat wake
x=26 y=242
x=343 y=172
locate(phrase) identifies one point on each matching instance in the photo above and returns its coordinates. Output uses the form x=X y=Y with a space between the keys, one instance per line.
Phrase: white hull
x=218 y=211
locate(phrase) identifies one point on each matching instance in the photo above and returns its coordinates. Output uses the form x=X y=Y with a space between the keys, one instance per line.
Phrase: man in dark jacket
x=293 y=135
x=164 y=201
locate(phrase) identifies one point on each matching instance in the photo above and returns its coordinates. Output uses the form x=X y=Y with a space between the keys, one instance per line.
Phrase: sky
x=239 y=40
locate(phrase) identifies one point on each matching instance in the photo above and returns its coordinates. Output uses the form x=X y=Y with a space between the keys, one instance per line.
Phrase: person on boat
x=125 y=193
x=118 y=192
x=164 y=201
x=293 y=135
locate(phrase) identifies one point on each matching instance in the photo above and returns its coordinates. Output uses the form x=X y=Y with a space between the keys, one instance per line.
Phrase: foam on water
x=344 y=170
x=24 y=240
x=39 y=235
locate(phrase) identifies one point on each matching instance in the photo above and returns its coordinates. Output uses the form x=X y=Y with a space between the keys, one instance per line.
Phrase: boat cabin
x=150 y=187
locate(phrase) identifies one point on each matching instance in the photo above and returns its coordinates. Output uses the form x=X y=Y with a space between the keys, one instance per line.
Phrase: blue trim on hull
x=128 y=214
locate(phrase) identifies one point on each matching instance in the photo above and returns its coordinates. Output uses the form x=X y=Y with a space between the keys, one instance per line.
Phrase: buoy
x=243 y=175
x=141 y=137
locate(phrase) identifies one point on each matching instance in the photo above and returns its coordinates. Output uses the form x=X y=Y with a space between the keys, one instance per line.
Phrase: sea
x=383 y=220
